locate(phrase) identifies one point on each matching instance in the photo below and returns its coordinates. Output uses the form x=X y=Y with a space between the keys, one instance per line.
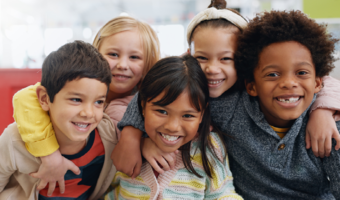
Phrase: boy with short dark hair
x=74 y=85
x=282 y=56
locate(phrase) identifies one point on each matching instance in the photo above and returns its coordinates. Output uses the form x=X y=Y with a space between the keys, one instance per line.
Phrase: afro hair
x=280 y=26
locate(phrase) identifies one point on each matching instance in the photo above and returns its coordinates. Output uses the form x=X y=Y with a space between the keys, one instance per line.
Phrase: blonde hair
x=148 y=37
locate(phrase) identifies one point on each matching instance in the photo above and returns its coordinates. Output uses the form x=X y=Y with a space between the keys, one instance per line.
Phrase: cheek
x=192 y=127
x=230 y=71
x=137 y=69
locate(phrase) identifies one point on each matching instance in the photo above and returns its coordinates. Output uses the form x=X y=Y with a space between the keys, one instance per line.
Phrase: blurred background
x=31 y=29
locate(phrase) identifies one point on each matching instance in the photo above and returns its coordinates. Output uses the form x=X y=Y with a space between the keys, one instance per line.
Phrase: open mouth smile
x=81 y=125
x=289 y=100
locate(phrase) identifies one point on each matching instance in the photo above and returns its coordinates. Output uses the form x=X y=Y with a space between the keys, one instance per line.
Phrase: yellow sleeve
x=34 y=123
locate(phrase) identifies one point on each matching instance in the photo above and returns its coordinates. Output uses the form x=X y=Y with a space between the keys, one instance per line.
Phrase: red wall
x=12 y=80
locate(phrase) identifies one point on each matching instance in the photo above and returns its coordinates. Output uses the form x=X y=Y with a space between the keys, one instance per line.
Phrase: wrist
x=131 y=134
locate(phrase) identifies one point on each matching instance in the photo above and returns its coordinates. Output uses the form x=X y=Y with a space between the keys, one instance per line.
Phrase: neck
x=112 y=95
x=68 y=147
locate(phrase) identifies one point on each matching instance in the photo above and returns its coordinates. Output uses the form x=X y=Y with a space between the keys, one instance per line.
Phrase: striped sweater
x=179 y=183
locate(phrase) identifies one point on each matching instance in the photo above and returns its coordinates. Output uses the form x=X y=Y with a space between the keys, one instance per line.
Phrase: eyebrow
x=186 y=111
x=82 y=95
x=276 y=66
x=117 y=49
x=221 y=52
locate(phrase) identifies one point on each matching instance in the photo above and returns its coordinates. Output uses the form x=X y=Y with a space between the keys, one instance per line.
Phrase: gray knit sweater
x=261 y=169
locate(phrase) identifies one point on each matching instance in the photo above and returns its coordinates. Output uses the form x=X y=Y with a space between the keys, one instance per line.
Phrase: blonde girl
x=131 y=48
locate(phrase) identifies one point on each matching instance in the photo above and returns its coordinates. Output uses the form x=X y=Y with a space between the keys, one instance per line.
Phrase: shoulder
x=11 y=133
x=119 y=102
x=217 y=145
x=106 y=128
x=117 y=107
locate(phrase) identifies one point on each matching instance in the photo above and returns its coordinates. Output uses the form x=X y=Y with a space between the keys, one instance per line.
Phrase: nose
x=212 y=68
x=122 y=63
x=87 y=111
x=288 y=82
x=172 y=124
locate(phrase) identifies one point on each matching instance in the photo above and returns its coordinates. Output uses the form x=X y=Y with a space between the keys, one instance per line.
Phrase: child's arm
x=321 y=127
x=154 y=156
x=37 y=132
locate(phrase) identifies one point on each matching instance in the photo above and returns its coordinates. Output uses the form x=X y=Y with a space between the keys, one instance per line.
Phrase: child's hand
x=321 y=128
x=154 y=156
x=126 y=155
x=53 y=169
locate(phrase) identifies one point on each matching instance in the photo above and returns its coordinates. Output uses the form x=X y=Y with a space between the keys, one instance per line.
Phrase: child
x=131 y=48
x=74 y=85
x=173 y=98
x=282 y=56
x=216 y=56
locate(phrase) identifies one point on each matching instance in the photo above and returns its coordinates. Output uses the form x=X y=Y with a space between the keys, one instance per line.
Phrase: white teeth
x=169 y=137
x=289 y=100
x=215 y=82
x=81 y=125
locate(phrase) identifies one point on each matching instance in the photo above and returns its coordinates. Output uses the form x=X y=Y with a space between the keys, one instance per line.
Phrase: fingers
x=61 y=186
x=328 y=146
x=336 y=136
x=42 y=184
x=315 y=147
x=163 y=162
x=71 y=166
x=308 y=142
x=51 y=188
x=171 y=160
x=321 y=148
x=136 y=170
x=155 y=166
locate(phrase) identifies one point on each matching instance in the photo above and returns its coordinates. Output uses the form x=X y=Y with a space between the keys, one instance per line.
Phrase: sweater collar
x=252 y=107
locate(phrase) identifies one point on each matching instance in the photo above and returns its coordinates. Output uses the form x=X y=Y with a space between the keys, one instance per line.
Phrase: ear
x=43 y=98
x=318 y=84
x=251 y=88
x=188 y=51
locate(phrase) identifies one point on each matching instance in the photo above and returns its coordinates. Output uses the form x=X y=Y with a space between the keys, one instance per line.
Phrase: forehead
x=215 y=37
x=127 y=39
x=285 y=54
x=85 y=86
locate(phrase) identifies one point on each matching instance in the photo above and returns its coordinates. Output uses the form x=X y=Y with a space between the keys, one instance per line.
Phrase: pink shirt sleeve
x=116 y=109
x=329 y=96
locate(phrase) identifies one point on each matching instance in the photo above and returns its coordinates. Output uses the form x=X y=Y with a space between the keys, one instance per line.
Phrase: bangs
x=171 y=93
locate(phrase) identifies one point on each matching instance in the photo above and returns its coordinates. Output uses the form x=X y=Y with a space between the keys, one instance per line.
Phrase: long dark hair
x=173 y=75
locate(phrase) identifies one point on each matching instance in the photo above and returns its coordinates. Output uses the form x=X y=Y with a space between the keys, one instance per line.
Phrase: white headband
x=213 y=13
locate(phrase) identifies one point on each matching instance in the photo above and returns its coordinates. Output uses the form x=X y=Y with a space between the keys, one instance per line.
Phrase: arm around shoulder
x=132 y=116
x=34 y=123
x=329 y=96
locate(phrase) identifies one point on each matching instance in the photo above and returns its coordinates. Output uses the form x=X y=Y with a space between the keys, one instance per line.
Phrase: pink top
x=116 y=109
x=329 y=97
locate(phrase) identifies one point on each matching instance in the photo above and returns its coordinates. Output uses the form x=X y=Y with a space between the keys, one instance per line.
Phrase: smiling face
x=284 y=82
x=124 y=53
x=214 y=48
x=173 y=125
x=77 y=109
